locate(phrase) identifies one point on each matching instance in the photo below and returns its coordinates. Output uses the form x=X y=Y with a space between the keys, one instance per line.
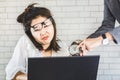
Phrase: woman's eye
x=36 y=30
x=46 y=26
x=36 y=27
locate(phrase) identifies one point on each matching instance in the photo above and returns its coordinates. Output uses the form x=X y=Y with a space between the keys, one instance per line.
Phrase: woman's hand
x=20 y=76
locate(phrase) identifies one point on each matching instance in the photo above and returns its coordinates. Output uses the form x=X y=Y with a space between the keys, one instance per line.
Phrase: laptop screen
x=63 y=68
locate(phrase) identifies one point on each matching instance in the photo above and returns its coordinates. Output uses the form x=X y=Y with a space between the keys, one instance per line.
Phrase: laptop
x=63 y=68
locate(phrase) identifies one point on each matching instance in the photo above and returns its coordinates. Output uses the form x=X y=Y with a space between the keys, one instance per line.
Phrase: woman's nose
x=43 y=31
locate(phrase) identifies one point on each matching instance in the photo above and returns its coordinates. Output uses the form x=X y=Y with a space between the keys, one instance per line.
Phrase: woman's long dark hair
x=31 y=13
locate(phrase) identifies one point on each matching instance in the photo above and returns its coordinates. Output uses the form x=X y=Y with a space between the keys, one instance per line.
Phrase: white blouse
x=25 y=49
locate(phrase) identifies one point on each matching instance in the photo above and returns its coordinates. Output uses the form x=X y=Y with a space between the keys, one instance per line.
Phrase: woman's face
x=42 y=30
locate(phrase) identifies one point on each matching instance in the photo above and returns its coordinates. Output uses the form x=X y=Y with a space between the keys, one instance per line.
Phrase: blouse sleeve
x=17 y=62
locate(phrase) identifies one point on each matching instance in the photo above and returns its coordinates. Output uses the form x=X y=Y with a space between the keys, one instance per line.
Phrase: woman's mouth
x=45 y=38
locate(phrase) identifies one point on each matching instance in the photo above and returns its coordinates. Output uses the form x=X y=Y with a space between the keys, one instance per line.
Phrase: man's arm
x=116 y=35
x=108 y=23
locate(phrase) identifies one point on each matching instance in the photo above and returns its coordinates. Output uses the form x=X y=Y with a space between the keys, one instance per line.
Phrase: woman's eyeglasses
x=44 y=24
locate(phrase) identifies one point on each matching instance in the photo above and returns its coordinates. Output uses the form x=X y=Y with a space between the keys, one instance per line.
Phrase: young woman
x=39 y=41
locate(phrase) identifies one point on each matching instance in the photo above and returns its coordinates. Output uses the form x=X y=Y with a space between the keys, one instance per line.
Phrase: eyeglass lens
x=44 y=24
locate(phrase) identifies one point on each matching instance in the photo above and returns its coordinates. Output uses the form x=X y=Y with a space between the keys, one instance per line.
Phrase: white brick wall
x=75 y=19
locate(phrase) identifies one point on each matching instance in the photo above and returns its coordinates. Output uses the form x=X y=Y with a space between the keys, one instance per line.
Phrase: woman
x=39 y=41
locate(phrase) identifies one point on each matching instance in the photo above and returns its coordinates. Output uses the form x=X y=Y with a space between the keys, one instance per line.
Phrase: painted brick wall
x=75 y=19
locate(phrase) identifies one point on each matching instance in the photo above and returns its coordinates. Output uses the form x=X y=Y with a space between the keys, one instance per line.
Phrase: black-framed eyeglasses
x=44 y=24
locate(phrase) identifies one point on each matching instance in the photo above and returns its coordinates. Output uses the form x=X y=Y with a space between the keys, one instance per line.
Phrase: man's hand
x=89 y=44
